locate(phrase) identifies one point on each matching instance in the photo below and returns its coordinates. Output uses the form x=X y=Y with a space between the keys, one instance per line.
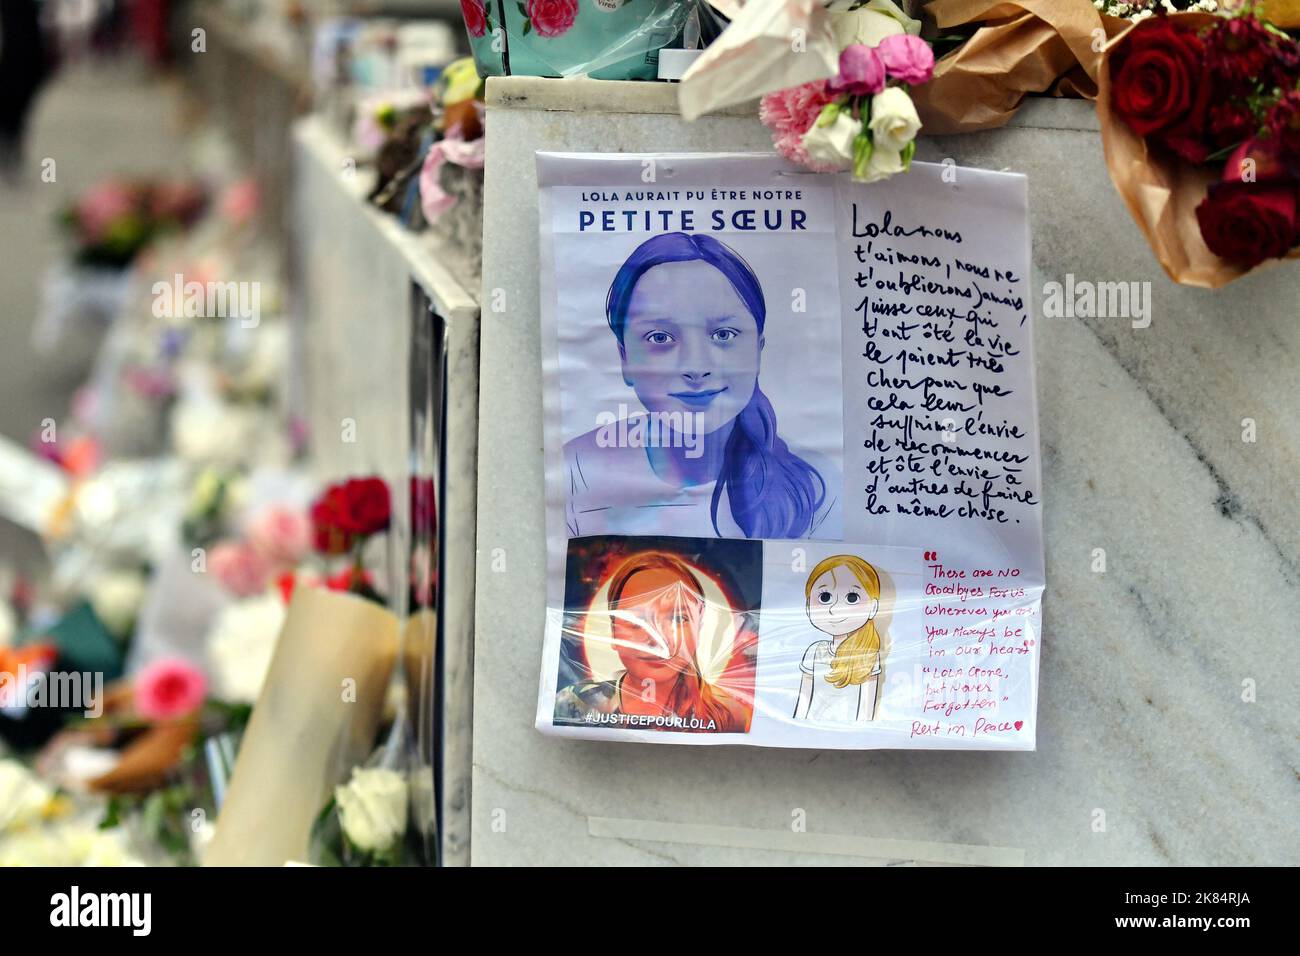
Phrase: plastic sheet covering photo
x=792 y=470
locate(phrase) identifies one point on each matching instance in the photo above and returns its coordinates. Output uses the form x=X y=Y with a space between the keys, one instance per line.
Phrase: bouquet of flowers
x=1205 y=110
x=114 y=220
x=863 y=118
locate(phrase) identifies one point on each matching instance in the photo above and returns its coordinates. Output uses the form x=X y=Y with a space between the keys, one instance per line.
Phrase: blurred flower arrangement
x=112 y=222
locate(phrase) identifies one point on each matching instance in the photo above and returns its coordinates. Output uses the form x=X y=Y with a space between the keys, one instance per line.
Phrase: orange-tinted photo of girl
x=657 y=612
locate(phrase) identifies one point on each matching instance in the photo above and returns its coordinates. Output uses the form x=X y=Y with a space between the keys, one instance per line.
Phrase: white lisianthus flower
x=871 y=23
x=894 y=122
x=116 y=597
x=832 y=145
x=23 y=797
x=241 y=645
x=372 y=808
x=883 y=164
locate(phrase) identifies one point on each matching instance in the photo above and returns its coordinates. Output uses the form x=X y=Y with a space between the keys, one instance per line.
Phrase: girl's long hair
x=691 y=695
x=858 y=653
x=772 y=491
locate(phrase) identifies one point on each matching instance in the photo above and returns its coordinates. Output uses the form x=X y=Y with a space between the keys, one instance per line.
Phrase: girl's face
x=839 y=604
x=690 y=345
x=657 y=619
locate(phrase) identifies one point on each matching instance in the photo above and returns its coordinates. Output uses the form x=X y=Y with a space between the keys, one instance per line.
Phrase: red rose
x=475 y=17
x=1251 y=215
x=1230 y=123
x=1284 y=128
x=368 y=509
x=331 y=527
x=1161 y=88
x=550 y=18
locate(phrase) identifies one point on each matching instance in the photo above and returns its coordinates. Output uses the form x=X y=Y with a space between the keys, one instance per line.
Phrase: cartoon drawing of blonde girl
x=840 y=675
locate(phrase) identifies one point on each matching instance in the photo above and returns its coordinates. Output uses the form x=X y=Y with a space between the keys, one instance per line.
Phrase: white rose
x=241 y=645
x=211 y=432
x=115 y=598
x=372 y=808
x=883 y=164
x=832 y=145
x=87 y=845
x=871 y=23
x=894 y=122
x=23 y=797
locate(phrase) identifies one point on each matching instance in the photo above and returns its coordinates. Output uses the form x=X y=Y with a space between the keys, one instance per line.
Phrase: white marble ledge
x=1167 y=725
x=581 y=94
x=441 y=270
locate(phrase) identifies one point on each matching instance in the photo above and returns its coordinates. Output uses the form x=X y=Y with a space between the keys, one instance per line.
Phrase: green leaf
x=862 y=149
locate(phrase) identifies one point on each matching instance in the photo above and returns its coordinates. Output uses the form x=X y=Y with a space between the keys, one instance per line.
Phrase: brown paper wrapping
x=1021 y=47
x=1162 y=193
x=148 y=761
x=303 y=737
x=1282 y=13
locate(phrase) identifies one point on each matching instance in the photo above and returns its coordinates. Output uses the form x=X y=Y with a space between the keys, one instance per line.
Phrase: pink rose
x=550 y=18
x=239 y=567
x=862 y=71
x=168 y=689
x=475 y=17
x=280 y=535
x=103 y=205
x=907 y=58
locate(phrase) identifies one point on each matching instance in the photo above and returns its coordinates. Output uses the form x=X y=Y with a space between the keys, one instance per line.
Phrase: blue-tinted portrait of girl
x=703 y=454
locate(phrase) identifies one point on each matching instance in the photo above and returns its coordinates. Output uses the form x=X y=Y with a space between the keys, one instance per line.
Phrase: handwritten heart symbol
x=1019 y=724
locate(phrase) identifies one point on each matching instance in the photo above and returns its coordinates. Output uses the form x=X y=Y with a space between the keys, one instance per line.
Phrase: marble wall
x=1168 y=729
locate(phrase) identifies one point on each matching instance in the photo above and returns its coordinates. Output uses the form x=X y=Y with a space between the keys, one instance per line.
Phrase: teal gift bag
x=607 y=39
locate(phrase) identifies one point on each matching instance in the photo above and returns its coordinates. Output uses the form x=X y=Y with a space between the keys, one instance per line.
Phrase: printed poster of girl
x=704 y=453
x=841 y=674
x=660 y=634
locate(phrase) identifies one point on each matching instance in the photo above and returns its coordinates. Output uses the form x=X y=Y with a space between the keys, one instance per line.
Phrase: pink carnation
x=790 y=113
x=240 y=567
x=168 y=689
x=281 y=535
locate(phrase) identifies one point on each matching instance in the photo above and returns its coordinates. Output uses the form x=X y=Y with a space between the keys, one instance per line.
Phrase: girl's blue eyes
x=825 y=597
x=659 y=337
